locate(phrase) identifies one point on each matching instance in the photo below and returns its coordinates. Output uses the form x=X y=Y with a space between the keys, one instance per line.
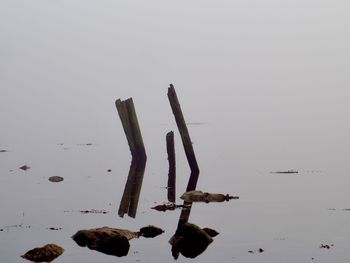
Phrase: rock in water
x=56 y=179
x=24 y=167
x=110 y=241
x=190 y=240
x=151 y=231
x=46 y=253
x=211 y=232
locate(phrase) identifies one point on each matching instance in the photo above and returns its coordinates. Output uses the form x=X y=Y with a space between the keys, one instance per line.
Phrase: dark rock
x=211 y=232
x=110 y=241
x=56 y=179
x=189 y=240
x=46 y=253
x=109 y=170
x=151 y=231
x=3 y=151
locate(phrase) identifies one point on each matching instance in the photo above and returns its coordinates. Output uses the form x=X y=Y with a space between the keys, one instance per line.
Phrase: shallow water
x=262 y=87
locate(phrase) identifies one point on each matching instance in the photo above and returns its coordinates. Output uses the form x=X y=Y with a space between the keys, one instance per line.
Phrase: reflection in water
x=189 y=239
x=130 y=199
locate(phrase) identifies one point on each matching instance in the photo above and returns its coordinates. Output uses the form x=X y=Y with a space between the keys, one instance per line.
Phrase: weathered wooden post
x=185 y=136
x=127 y=114
x=170 y=146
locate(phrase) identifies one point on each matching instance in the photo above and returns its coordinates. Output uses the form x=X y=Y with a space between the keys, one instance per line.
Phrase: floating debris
x=199 y=196
x=55 y=228
x=286 y=172
x=17 y=226
x=109 y=170
x=93 y=211
x=1 y=229
x=326 y=246
x=46 y=253
x=56 y=179
x=3 y=151
x=260 y=250
x=150 y=231
x=165 y=207
x=24 y=167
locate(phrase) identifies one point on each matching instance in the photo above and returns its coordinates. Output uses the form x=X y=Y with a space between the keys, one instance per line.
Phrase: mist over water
x=263 y=86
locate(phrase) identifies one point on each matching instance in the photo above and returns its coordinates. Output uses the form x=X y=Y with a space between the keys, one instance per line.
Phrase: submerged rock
x=190 y=240
x=46 y=253
x=110 y=241
x=150 y=231
x=199 y=196
x=56 y=179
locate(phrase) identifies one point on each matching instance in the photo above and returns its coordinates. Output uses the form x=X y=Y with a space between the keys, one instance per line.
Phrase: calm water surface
x=263 y=87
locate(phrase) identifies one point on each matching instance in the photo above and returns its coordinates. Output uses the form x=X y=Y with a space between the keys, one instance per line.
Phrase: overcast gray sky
x=64 y=62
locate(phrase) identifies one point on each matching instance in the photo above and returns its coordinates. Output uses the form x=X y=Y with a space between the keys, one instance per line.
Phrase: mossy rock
x=46 y=253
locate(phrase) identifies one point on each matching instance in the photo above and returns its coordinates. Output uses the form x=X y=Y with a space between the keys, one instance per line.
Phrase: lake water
x=263 y=87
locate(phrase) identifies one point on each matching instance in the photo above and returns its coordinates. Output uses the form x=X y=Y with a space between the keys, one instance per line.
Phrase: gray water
x=263 y=86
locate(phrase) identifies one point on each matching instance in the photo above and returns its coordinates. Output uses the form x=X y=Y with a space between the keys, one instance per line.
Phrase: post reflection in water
x=189 y=239
x=130 y=198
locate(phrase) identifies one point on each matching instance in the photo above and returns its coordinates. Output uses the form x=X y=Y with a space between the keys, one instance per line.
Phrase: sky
x=252 y=63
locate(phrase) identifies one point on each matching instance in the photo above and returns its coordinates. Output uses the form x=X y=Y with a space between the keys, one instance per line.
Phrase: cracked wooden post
x=127 y=114
x=170 y=146
x=181 y=125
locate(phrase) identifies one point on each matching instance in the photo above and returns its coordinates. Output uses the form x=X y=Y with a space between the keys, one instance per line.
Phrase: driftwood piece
x=170 y=146
x=166 y=207
x=199 y=196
